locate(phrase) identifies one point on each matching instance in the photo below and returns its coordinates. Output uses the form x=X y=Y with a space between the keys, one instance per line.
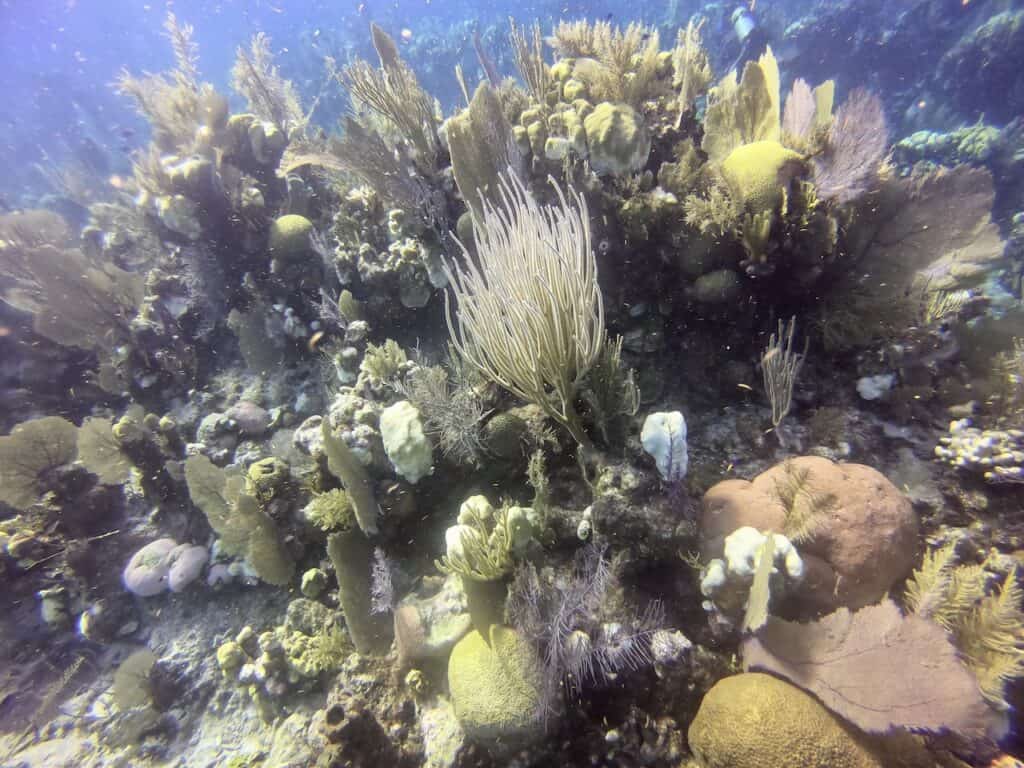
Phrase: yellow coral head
x=758 y=174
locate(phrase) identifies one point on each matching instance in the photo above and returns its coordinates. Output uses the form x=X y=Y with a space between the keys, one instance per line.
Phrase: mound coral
x=783 y=727
x=616 y=138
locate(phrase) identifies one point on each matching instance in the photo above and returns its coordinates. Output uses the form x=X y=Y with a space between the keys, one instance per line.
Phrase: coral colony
x=628 y=413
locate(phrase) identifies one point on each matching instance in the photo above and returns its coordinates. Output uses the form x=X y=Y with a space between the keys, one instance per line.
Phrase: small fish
x=314 y=340
x=747 y=387
x=406 y=35
x=361 y=9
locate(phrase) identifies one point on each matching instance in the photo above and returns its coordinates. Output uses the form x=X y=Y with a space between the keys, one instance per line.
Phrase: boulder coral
x=859 y=534
x=755 y=720
x=617 y=139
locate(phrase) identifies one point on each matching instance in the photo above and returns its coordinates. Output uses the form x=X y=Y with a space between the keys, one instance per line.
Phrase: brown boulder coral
x=758 y=721
x=856 y=532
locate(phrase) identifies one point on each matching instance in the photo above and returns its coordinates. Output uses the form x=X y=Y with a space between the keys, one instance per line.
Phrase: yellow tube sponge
x=758 y=173
x=495 y=686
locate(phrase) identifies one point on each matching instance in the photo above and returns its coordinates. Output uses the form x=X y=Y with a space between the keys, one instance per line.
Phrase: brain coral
x=865 y=542
x=755 y=720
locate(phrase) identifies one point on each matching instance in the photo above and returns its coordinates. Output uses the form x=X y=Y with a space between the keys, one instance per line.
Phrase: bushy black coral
x=566 y=618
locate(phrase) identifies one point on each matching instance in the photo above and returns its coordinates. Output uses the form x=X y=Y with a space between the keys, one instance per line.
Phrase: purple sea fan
x=857 y=144
x=580 y=646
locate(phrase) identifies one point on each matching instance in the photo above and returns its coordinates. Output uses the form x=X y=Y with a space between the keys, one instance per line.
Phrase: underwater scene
x=433 y=383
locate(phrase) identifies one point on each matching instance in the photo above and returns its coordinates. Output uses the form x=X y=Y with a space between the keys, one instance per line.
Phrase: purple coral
x=857 y=144
x=580 y=646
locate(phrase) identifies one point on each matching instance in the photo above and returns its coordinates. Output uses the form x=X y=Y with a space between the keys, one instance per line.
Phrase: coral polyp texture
x=448 y=386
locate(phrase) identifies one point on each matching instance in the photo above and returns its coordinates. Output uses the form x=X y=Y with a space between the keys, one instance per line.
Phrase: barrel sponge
x=755 y=720
x=289 y=236
x=757 y=173
x=495 y=687
x=616 y=138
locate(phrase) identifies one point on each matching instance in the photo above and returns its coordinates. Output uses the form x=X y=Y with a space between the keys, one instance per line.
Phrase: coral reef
x=348 y=429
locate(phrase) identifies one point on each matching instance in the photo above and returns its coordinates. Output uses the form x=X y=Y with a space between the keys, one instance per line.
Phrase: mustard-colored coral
x=495 y=686
x=758 y=173
x=289 y=236
x=617 y=139
x=755 y=720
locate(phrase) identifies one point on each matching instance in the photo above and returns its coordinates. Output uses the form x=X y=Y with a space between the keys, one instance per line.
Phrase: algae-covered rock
x=758 y=173
x=289 y=237
x=495 y=686
x=617 y=139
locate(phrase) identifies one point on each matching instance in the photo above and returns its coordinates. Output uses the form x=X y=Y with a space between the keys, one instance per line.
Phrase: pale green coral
x=289 y=237
x=405 y=444
x=617 y=139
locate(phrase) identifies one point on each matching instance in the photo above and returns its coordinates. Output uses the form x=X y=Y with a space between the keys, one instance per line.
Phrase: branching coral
x=530 y=315
x=394 y=94
x=270 y=96
x=362 y=152
x=691 y=70
x=610 y=390
x=174 y=103
x=805 y=509
x=986 y=627
x=528 y=54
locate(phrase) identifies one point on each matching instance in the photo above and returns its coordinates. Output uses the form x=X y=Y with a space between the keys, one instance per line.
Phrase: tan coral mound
x=860 y=533
x=758 y=721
